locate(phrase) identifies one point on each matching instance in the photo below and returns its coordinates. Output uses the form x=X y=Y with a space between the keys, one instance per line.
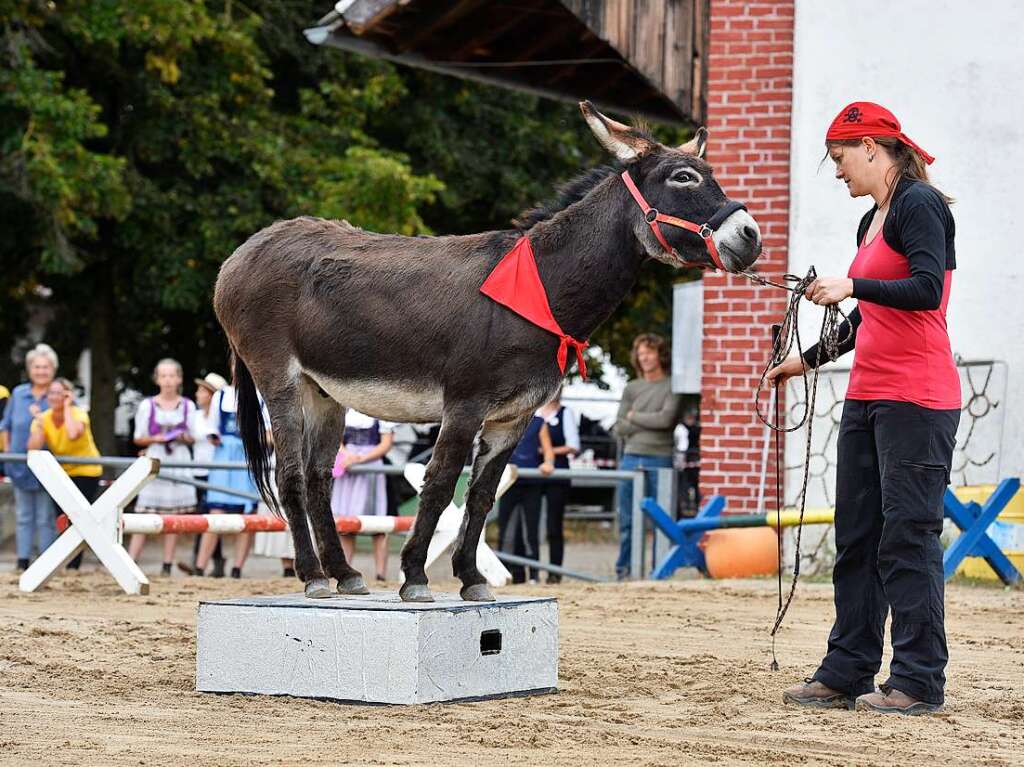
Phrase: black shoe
x=165 y=569
x=188 y=569
x=289 y=572
x=236 y=572
x=554 y=578
x=22 y=565
x=218 y=569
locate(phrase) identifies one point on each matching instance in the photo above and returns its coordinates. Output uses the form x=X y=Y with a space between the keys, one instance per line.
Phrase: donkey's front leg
x=458 y=427
x=494 y=445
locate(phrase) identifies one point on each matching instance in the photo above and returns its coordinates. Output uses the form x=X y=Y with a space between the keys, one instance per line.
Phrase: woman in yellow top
x=64 y=431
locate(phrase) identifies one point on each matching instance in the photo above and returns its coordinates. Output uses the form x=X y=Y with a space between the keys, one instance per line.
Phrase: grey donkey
x=321 y=315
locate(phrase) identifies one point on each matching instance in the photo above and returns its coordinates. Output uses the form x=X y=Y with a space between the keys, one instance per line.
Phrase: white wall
x=953 y=73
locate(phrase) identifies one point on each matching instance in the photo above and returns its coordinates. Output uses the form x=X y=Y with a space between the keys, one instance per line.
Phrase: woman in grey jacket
x=648 y=414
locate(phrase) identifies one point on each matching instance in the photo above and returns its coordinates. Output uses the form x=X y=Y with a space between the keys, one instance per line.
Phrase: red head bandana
x=864 y=118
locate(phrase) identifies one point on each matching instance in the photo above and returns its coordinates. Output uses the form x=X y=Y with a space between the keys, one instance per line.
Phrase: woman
x=63 y=429
x=565 y=442
x=165 y=425
x=35 y=515
x=519 y=534
x=897 y=432
x=222 y=432
x=365 y=441
x=202 y=453
x=646 y=421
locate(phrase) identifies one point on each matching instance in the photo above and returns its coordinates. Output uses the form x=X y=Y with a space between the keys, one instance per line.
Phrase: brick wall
x=750 y=95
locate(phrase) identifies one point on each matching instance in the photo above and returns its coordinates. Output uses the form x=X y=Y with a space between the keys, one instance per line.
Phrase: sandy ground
x=664 y=674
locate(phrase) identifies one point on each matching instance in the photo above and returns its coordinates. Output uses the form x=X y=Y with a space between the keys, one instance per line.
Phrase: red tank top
x=901 y=355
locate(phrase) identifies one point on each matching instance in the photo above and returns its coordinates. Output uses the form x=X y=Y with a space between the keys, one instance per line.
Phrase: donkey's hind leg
x=287 y=427
x=494 y=445
x=324 y=424
x=458 y=427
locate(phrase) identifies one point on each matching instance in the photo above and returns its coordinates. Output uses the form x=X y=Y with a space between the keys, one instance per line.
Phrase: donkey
x=321 y=316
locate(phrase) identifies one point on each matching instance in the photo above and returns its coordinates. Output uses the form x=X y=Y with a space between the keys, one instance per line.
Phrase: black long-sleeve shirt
x=920 y=227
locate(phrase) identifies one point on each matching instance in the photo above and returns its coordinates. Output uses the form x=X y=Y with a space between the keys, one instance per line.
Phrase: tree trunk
x=103 y=397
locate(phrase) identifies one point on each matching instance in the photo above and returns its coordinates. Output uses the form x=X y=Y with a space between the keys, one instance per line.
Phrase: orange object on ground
x=741 y=552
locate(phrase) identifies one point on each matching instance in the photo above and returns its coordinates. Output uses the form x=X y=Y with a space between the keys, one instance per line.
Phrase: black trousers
x=892 y=470
x=519 y=525
x=555 y=493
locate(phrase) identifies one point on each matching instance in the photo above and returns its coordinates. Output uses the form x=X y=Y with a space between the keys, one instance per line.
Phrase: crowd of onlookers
x=42 y=414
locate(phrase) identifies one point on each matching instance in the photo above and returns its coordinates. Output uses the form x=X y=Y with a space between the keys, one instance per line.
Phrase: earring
x=871 y=158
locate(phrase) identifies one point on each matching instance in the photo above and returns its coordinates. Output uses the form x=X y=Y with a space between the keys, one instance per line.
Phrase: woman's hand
x=546 y=468
x=792 y=367
x=826 y=291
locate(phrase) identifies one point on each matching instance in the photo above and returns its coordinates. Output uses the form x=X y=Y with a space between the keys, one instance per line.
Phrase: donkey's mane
x=569 y=193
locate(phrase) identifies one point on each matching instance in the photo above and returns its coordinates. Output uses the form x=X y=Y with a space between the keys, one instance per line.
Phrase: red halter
x=652 y=216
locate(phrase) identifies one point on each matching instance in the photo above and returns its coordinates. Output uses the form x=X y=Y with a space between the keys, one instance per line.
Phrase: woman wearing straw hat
x=899 y=423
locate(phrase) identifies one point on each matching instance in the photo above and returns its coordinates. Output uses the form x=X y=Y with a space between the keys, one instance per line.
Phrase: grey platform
x=378 y=649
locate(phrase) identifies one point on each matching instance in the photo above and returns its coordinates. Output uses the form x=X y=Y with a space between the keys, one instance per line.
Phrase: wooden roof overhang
x=640 y=57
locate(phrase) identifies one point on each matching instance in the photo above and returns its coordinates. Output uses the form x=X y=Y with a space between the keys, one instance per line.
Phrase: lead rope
x=784 y=339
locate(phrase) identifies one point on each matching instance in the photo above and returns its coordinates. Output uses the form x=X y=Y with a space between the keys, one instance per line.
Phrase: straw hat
x=212 y=381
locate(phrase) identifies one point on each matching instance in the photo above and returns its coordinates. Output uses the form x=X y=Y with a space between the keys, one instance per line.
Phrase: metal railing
x=596 y=477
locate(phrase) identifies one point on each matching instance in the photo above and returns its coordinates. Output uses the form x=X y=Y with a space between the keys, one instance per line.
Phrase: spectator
x=166 y=426
x=646 y=420
x=63 y=429
x=687 y=463
x=202 y=452
x=5 y=395
x=519 y=531
x=275 y=545
x=565 y=442
x=223 y=433
x=35 y=515
x=365 y=441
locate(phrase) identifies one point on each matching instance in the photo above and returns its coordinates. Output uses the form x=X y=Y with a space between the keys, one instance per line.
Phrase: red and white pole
x=229 y=524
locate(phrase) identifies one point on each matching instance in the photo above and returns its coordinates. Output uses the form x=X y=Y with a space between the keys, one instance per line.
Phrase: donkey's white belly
x=387 y=400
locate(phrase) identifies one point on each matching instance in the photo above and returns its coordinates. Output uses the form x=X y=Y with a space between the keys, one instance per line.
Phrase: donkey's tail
x=253 y=431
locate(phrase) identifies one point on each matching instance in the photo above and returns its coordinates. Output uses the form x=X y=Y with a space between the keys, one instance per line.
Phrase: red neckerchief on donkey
x=515 y=284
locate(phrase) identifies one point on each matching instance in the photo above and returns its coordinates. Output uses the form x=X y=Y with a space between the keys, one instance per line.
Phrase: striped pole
x=789 y=518
x=228 y=524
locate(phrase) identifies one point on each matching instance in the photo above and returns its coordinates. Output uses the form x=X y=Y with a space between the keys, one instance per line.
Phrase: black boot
x=22 y=565
x=218 y=569
x=236 y=572
x=165 y=569
x=289 y=572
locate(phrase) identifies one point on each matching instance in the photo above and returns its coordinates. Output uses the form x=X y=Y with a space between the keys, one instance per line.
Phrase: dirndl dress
x=355 y=495
x=230 y=449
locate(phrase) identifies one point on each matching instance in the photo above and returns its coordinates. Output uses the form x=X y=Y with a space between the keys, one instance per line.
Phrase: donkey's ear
x=619 y=139
x=697 y=144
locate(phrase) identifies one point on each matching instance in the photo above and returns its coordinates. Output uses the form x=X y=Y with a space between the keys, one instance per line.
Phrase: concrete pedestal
x=378 y=649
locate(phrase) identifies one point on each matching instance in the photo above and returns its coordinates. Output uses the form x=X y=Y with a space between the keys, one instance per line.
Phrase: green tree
x=142 y=142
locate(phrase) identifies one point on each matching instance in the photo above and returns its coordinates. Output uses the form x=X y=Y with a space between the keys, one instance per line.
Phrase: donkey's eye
x=683 y=177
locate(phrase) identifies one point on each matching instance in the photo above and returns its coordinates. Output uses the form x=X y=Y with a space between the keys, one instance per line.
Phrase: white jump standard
x=378 y=649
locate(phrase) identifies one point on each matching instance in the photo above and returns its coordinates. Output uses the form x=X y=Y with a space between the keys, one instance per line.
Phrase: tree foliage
x=142 y=142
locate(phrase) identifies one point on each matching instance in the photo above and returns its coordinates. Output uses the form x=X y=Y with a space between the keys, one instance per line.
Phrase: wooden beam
x=365 y=14
x=436 y=19
x=669 y=113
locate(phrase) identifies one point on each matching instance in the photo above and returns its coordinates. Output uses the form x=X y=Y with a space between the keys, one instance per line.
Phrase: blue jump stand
x=685 y=534
x=974 y=521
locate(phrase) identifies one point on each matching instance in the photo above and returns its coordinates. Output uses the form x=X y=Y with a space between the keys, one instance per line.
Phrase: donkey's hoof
x=415 y=592
x=354 y=584
x=478 y=592
x=318 y=588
